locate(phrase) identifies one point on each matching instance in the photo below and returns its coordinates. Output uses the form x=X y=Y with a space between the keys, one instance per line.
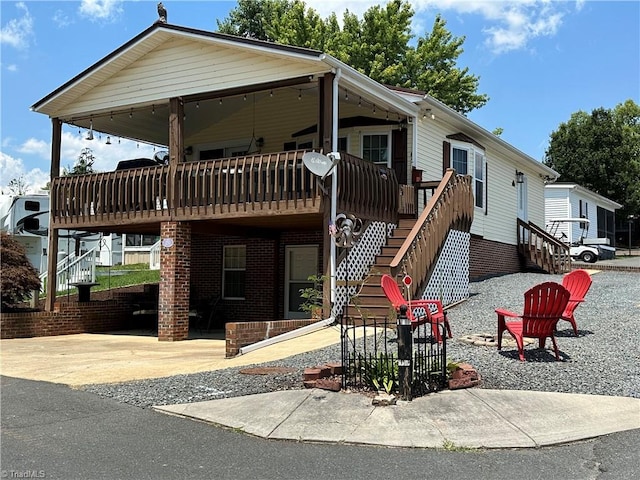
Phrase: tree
x=19 y=278
x=601 y=151
x=83 y=165
x=376 y=45
x=17 y=186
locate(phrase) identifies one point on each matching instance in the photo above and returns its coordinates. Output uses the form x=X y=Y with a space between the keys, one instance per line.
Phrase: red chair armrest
x=427 y=303
x=507 y=313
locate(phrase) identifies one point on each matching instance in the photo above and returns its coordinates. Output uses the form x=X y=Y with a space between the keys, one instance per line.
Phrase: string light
x=220 y=101
x=111 y=116
x=299 y=94
x=360 y=102
x=131 y=113
x=346 y=94
x=271 y=93
x=245 y=97
x=153 y=109
x=197 y=104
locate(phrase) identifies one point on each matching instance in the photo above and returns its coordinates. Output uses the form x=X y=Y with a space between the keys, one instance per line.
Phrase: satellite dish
x=317 y=163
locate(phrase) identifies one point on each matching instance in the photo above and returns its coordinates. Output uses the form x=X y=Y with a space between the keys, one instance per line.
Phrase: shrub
x=19 y=278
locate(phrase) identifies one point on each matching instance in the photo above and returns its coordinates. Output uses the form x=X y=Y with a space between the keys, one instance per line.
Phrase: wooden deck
x=263 y=185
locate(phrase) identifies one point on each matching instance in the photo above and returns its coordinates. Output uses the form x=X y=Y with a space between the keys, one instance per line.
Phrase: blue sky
x=538 y=61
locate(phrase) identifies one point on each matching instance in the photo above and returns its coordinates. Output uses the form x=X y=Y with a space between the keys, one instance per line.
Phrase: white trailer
x=26 y=218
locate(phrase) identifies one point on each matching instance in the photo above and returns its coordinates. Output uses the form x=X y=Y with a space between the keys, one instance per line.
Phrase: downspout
x=414 y=143
x=298 y=332
x=334 y=181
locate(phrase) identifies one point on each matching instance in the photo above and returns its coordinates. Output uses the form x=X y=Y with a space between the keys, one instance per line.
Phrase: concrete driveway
x=122 y=356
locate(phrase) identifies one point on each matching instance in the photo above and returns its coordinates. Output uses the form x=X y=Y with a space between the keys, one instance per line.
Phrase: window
x=32 y=206
x=375 y=148
x=343 y=144
x=136 y=240
x=234 y=263
x=469 y=160
x=479 y=178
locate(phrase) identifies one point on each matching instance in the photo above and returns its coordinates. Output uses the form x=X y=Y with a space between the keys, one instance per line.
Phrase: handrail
x=59 y=266
x=542 y=248
x=154 y=256
x=70 y=270
x=450 y=207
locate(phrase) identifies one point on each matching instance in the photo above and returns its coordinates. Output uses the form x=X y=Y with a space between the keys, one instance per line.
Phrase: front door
x=301 y=261
x=521 y=192
x=399 y=155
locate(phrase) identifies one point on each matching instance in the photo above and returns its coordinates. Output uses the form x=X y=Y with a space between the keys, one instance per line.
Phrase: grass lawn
x=124 y=276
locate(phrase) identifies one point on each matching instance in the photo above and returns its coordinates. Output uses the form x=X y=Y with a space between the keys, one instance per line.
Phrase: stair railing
x=71 y=270
x=154 y=256
x=450 y=208
x=542 y=248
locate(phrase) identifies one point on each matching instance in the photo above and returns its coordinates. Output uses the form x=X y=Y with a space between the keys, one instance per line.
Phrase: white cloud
x=61 y=19
x=97 y=10
x=34 y=146
x=18 y=32
x=509 y=24
x=12 y=168
x=106 y=156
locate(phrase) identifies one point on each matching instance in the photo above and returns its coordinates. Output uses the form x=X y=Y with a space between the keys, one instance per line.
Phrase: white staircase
x=73 y=270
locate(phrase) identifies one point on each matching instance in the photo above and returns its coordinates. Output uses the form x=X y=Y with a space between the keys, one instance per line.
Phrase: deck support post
x=175 y=279
x=52 y=248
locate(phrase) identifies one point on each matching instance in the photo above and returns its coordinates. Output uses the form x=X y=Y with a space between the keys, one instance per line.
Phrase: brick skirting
x=241 y=334
x=107 y=311
x=66 y=319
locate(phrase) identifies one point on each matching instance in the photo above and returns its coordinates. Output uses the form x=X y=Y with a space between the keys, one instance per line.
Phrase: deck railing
x=450 y=207
x=542 y=248
x=367 y=190
x=246 y=186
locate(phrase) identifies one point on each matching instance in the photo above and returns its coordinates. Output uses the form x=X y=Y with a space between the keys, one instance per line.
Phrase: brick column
x=175 y=273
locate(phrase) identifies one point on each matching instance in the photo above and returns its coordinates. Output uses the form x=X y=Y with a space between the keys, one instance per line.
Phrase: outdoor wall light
x=519 y=177
x=90 y=134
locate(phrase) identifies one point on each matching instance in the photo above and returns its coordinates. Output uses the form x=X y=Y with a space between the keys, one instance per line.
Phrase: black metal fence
x=370 y=357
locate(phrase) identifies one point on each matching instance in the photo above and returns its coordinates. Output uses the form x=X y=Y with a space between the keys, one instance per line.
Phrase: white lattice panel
x=359 y=260
x=450 y=278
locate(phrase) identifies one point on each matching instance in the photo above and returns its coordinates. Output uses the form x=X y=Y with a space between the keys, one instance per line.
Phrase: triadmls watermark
x=23 y=474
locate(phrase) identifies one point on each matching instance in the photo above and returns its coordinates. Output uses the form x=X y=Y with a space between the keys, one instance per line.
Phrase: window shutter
x=486 y=187
x=446 y=156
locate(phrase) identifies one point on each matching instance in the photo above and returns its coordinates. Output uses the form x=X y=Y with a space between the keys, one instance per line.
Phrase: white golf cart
x=583 y=249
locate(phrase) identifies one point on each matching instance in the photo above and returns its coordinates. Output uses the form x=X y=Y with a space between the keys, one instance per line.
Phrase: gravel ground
x=603 y=360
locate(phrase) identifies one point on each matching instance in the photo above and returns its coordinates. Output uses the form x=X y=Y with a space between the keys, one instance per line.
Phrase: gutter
x=288 y=336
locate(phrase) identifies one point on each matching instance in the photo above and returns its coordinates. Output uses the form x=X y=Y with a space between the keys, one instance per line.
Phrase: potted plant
x=313 y=296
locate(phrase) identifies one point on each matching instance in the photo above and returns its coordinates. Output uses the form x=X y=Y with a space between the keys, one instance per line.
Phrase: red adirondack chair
x=543 y=306
x=578 y=283
x=393 y=293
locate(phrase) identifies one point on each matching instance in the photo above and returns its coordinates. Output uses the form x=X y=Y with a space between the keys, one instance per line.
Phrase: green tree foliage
x=19 y=278
x=601 y=151
x=376 y=45
x=83 y=165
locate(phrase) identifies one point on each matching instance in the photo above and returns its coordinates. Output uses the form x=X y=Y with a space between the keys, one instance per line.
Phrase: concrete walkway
x=472 y=418
x=464 y=418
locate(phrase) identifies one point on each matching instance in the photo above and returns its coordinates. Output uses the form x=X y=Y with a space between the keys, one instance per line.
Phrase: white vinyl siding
x=177 y=66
